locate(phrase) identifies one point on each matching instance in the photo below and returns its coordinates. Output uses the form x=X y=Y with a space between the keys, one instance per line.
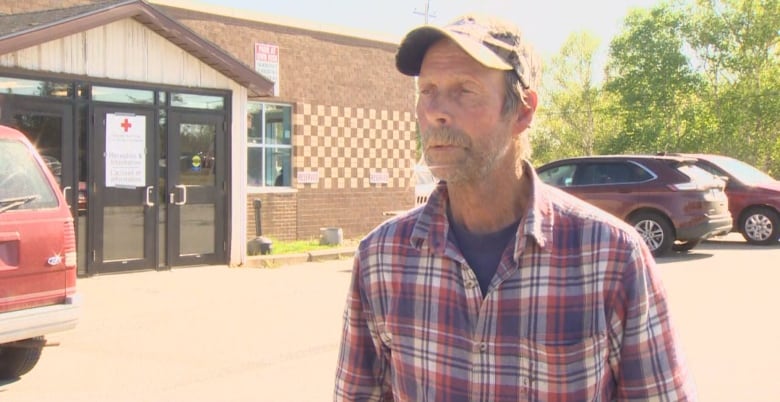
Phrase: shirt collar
x=432 y=227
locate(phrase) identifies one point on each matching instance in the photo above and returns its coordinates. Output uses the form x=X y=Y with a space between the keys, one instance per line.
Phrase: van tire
x=16 y=361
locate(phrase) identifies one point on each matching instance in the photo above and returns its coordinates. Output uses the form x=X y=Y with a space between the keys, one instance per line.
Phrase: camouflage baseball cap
x=491 y=41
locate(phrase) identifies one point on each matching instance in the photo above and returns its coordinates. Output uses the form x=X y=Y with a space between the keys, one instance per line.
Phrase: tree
x=655 y=86
x=573 y=113
x=736 y=42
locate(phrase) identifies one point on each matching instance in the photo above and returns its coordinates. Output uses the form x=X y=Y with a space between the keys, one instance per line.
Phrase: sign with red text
x=125 y=150
x=267 y=63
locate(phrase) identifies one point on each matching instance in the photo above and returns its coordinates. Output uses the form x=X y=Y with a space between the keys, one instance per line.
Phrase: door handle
x=149 y=202
x=65 y=194
x=183 y=195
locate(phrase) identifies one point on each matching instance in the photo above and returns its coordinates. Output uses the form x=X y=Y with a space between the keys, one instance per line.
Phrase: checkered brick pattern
x=345 y=145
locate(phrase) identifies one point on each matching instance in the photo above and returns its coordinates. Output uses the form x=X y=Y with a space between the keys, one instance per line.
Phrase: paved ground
x=248 y=334
x=197 y=334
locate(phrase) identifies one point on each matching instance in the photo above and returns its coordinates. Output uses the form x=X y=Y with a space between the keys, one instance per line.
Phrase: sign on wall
x=267 y=63
x=310 y=177
x=379 y=177
x=125 y=150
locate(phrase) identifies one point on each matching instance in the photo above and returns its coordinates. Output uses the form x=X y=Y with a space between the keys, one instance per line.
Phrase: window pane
x=255 y=166
x=197 y=154
x=123 y=95
x=22 y=183
x=254 y=123
x=198 y=101
x=278 y=167
x=123 y=233
x=19 y=86
x=197 y=228
x=278 y=124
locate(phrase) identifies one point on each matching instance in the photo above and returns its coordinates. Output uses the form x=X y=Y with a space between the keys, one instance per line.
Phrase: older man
x=500 y=288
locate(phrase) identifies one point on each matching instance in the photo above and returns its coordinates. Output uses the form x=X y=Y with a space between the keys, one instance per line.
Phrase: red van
x=37 y=256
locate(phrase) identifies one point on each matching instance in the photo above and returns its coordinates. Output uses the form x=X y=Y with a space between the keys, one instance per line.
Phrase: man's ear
x=526 y=111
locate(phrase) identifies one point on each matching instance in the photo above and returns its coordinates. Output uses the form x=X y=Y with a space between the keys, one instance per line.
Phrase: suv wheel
x=655 y=231
x=760 y=225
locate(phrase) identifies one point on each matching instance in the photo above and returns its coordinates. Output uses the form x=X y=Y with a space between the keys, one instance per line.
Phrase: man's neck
x=493 y=203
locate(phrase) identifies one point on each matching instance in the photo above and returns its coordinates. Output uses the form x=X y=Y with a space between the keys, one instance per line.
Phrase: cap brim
x=413 y=47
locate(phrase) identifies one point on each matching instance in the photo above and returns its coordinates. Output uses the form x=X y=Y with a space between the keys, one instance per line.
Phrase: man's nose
x=434 y=110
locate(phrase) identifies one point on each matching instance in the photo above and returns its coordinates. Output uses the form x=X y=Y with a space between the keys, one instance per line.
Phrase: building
x=171 y=121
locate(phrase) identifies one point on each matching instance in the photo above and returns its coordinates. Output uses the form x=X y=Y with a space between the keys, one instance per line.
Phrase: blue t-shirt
x=482 y=251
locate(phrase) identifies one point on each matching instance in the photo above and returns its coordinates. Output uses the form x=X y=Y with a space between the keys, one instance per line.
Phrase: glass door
x=123 y=189
x=196 y=187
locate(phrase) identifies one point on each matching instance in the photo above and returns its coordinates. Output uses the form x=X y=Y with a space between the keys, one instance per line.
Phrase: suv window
x=696 y=173
x=23 y=185
x=560 y=175
x=611 y=173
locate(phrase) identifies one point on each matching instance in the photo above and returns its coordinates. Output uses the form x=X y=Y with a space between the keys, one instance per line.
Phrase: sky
x=546 y=23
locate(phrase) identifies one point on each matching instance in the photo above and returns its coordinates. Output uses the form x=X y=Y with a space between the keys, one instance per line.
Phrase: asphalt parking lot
x=251 y=334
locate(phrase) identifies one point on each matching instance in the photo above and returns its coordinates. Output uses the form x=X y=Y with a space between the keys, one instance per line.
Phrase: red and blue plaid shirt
x=575 y=312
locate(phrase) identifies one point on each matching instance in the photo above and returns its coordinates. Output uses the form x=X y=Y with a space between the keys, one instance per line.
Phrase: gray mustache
x=445 y=136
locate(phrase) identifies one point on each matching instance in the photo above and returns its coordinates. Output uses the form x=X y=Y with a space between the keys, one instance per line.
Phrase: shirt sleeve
x=646 y=354
x=362 y=373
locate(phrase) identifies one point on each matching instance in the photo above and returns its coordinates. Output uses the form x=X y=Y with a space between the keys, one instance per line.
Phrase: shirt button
x=470 y=284
x=482 y=347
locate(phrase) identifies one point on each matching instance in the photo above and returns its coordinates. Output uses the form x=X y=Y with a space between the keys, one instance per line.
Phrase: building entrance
x=146 y=183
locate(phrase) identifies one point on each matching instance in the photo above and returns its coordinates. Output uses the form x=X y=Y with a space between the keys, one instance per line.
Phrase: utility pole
x=426 y=13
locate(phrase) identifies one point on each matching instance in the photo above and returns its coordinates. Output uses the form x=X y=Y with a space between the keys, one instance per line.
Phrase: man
x=500 y=288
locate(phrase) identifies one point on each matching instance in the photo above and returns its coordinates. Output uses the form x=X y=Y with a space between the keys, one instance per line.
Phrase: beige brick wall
x=353 y=116
x=301 y=215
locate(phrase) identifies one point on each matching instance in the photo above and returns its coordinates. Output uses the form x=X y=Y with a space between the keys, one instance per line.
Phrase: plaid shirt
x=575 y=312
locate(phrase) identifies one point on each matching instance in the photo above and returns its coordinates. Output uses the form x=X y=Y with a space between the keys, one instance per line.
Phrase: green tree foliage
x=574 y=108
x=682 y=76
x=736 y=42
x=656 y=87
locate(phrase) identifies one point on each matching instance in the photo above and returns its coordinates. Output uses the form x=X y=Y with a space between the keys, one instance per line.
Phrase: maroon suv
x=670 y=201
x=754 y=197
x=37 y=256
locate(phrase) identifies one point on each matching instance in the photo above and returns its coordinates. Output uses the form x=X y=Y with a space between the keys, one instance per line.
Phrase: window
x=269 y=138
x=611 y=173
x=22 y=183
x=19 y=86
x=558 y=176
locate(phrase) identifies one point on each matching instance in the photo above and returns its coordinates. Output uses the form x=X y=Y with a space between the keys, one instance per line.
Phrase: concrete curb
x=274 y=261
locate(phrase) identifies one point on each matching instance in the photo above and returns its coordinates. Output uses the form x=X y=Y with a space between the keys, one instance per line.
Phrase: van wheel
x=18 y=359
x=760 y=226
x=655 y=231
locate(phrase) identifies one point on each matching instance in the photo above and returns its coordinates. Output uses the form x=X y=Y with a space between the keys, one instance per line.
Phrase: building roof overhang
x=19 y=32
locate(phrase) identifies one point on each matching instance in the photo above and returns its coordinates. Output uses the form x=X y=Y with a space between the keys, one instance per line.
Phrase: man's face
x=464 y=135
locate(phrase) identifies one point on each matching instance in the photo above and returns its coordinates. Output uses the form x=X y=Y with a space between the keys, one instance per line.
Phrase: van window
x=23 y=184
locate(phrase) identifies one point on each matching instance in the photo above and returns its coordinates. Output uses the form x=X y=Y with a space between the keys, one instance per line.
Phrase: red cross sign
x=126 y=125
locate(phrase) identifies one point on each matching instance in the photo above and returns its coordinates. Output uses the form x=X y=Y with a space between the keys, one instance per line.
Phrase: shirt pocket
x=571 y=372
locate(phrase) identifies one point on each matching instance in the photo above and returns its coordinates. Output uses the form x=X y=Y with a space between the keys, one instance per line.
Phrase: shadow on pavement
x=695 y=254
x=706 y=249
